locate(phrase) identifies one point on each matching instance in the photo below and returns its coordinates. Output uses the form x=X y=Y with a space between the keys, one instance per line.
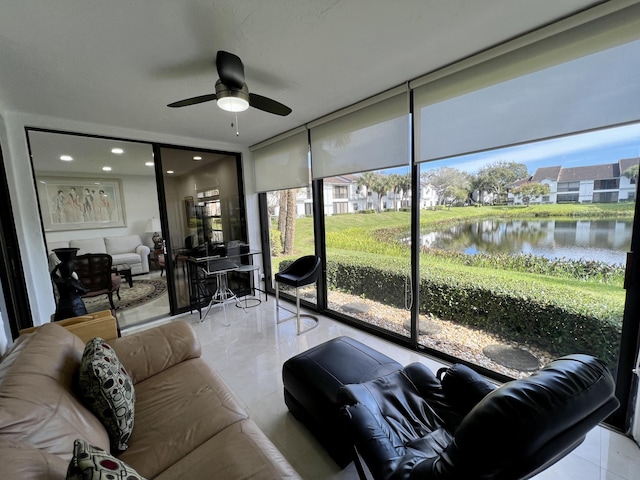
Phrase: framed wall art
x=76 y=203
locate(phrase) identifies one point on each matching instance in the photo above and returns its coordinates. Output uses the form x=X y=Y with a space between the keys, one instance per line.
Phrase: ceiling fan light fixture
x=232 y=100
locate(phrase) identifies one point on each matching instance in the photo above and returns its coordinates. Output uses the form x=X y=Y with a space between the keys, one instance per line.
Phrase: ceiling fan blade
x=193 y=101
x=230 y=69
x=268 y=105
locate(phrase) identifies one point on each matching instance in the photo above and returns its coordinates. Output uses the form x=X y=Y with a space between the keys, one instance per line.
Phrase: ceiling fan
x=232 y=93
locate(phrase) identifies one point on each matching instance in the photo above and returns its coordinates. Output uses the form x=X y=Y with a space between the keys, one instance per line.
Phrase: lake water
x=601 y=240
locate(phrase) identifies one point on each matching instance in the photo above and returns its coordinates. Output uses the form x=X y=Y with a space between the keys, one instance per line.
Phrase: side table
x=124 y=270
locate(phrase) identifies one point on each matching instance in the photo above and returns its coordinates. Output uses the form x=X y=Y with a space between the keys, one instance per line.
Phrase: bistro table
x=203 y=270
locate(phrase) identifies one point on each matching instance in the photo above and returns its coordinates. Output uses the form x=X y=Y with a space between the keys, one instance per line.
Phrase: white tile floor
x=249 y=354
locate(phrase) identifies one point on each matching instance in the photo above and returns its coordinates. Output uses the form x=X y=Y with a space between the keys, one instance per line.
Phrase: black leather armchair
x=410 y=424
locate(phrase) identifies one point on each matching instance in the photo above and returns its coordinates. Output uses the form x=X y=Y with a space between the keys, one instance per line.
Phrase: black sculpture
x=70 y=290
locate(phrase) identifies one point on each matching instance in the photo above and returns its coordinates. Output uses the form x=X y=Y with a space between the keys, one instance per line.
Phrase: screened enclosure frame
x=584 y=35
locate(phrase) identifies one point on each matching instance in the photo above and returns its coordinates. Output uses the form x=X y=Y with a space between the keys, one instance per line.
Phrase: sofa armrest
x=144 y=251
x=149 y=352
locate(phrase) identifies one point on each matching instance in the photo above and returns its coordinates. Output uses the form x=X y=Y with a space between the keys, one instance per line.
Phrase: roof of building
x=589 y=172
x=546 y=173
x=574 y=174
x=627 y=163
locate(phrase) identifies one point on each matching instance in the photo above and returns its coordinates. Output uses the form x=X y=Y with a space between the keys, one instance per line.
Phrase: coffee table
x=124 y=270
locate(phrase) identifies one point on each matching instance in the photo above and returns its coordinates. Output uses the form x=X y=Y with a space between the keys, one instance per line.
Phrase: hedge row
x=552 y=317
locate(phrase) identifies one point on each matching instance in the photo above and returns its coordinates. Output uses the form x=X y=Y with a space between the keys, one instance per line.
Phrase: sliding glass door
x=204 y=201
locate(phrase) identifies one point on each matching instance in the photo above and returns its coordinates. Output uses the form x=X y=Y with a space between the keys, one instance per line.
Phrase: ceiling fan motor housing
x=232 y=99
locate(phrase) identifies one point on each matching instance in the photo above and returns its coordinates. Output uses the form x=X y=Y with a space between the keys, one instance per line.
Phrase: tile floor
x=249 y=354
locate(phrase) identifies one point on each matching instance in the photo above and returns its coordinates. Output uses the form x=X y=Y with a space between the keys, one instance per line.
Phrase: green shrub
x=558 y=321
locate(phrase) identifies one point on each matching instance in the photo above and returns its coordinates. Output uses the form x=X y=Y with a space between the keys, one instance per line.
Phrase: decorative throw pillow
x=93 y=463
x=108 y=391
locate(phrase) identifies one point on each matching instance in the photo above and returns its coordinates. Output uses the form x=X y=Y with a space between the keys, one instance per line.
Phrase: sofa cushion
x=108 y=391
x=242 y=451
x=124 y=244
x=92 y=463
x=89 y=245
x=19 y=460
x=177 y=410
x=131 y=258
x=37 y=401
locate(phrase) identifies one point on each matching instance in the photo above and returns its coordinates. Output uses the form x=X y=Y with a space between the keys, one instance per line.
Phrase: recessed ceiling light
x=66 y=158
x=117 y=151
x=197 y=158
x=149 y=164
x=170 y=172
x=106 y=169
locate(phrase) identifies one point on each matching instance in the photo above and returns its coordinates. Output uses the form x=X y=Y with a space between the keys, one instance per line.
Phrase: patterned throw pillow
x=108 y=391
x=93 y=463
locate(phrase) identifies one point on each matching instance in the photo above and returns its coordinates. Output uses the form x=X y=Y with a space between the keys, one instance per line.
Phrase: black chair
x=410 y=424
x=303 y=271
x=96 y=275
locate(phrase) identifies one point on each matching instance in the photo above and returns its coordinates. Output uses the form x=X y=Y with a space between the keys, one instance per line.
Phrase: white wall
x=21 y=188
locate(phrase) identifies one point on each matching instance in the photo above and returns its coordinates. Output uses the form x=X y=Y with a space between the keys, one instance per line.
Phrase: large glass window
x=366 y=229
x=282 y=176
x=511 y=287
x=495 y=277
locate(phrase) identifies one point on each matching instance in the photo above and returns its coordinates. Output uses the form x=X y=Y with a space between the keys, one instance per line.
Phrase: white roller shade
x=582 y=78
x=283 y=163
x=373 y=137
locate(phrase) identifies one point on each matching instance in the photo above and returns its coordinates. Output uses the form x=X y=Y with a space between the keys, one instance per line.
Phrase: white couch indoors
x=127 y=249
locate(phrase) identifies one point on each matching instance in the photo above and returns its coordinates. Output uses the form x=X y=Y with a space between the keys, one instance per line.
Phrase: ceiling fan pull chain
x=237 y=128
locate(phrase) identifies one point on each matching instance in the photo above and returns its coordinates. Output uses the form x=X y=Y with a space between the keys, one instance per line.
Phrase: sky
x=602 y=146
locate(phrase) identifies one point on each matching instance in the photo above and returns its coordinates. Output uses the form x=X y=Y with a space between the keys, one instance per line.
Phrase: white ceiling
x=119 y=62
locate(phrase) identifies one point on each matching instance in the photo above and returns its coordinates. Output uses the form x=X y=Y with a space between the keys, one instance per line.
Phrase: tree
x=374 y=183
x=455 y=195
x=448 y=183
x=405 y=187
x=282 y=213
x=531 y=191
x=287 y=219
x=496 y=177
x=394 y=182
x=631 y=173
x=290 y=227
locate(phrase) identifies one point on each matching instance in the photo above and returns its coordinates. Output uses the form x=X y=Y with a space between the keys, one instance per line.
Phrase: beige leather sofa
x=188 y=424
x=127 y=249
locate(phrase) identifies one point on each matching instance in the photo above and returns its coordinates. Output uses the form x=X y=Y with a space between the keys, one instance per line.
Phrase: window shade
x=373 y=137
x=574 y=80
x=282 y=163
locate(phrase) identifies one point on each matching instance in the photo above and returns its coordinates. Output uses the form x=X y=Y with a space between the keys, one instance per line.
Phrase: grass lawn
x=371 y=239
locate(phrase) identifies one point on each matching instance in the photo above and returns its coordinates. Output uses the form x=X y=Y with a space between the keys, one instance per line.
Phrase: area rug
x=143 y=291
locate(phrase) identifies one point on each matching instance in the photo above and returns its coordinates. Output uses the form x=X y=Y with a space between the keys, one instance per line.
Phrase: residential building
x=602 y=183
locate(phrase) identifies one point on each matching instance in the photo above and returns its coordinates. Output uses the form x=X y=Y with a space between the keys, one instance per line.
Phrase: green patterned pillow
x=93 y=463
x=108 y=391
